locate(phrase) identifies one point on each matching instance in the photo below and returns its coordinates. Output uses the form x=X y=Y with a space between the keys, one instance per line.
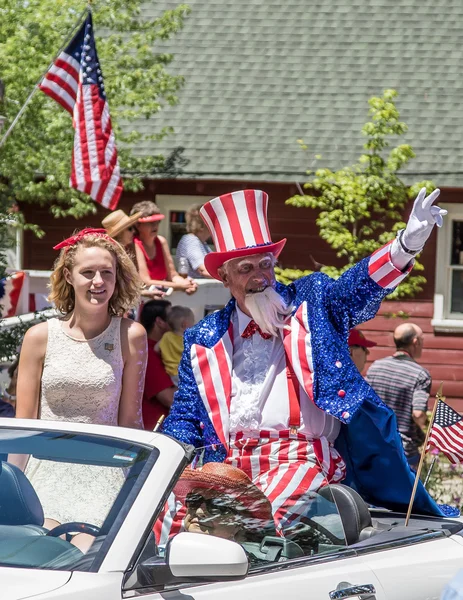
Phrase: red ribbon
x=74 y=239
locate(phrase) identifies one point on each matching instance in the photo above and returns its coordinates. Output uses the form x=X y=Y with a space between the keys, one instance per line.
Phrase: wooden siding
x=295 y=224
x=442 y=353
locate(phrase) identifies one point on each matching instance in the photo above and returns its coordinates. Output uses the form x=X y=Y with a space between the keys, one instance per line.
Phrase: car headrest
x=19 y=504
x=352 y=509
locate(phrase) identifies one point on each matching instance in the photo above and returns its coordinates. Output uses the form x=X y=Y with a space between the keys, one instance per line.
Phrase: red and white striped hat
x=238 y=225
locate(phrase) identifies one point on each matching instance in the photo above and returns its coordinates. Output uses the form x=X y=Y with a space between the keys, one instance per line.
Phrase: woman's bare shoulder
x=38 y=333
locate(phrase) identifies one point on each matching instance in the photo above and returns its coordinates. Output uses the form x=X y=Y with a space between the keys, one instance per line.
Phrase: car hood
x=18 y=584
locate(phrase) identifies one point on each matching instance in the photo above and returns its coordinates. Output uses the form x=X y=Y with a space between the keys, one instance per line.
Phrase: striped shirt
x=194 y=250
x=404 y=385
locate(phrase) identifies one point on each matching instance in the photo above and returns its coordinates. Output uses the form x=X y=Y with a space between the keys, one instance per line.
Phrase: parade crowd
x=269 y=389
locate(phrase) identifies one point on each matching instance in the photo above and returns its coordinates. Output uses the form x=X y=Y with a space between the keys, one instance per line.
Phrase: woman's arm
x=29 y=379
x=30 y=371
x=134 y=353
x=178 y=284
x=186 y=284
x=203 y=271
x=169 y=261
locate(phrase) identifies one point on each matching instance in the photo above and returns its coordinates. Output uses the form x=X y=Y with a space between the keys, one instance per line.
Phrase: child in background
x=170 y=347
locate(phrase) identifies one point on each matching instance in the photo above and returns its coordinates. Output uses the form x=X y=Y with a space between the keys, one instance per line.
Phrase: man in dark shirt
x=404 y=385
x=159 y=389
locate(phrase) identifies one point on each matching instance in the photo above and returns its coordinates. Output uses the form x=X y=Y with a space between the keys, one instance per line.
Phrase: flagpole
x=431 y=467
x=423 y=452
x=39 y=81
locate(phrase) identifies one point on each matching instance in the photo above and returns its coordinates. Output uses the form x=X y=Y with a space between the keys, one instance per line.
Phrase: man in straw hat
x=268 y=385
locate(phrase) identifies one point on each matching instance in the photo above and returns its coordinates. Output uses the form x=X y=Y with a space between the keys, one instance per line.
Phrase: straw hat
x=238 y=225
x=117 y=221
x=219 y=479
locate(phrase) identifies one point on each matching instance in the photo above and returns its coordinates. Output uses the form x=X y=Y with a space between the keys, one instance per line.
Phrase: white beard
x=268 y=310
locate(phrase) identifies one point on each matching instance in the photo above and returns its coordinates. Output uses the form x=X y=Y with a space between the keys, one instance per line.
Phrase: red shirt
x=157 y=265
x=156 y=380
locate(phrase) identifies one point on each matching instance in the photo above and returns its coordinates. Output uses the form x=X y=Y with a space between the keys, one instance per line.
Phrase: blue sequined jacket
x=368 y=442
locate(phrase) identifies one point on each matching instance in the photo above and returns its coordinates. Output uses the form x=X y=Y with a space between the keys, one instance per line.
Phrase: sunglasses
x=214 y=506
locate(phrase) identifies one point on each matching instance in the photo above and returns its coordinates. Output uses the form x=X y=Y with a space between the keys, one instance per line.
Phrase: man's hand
x=422 y=219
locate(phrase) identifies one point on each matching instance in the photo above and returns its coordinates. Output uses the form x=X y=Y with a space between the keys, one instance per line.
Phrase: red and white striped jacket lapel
x=298 y=348
x=212 y=369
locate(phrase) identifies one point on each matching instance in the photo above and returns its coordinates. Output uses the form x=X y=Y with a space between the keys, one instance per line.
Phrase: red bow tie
x=251 y=330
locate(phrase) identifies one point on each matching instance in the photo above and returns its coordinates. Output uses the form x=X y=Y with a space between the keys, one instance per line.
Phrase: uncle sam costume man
x=287 y=405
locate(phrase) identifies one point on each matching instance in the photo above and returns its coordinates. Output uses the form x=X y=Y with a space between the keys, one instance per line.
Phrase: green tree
x=357 y=203
x=35 y=160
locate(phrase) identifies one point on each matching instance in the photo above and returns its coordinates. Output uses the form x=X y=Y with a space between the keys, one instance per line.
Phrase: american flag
x=447 y=433
x=75 y=81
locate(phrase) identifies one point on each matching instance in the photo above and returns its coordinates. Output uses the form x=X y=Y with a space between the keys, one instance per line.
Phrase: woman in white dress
x=87 y=367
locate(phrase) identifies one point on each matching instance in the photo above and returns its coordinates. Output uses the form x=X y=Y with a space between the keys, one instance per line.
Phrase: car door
x=311 y=579
x=416 y=570
x=313 y=561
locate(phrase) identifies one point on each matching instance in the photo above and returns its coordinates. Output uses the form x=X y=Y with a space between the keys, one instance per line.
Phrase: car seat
x=21 y=513
x=354 y=513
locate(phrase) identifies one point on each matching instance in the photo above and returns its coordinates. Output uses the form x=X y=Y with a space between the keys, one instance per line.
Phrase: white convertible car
x=119 y=479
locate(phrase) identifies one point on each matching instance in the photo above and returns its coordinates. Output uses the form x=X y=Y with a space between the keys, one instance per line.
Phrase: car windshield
x=61 y=510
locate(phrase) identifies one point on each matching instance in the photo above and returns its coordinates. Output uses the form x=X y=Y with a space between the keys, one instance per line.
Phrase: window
x=72 y=483
x=448 y=299
x=175 y=207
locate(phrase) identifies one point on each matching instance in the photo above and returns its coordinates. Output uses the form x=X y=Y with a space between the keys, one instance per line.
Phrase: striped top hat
x=238 y=226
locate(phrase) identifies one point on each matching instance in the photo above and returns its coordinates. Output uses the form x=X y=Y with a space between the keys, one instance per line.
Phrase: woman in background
x=120 y=227
x=193 y=247
x=155 y=262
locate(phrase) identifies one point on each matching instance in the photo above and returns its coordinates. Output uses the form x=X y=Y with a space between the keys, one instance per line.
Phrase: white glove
x=422 y=219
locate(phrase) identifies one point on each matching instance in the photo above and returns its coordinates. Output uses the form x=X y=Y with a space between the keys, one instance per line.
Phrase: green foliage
x=445 y=483
x=35 y=161
x=286 y=276
x=355 y=203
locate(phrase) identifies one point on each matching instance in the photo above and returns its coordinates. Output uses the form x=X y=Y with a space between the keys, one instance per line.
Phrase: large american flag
x=75 y=81
x=447 y=433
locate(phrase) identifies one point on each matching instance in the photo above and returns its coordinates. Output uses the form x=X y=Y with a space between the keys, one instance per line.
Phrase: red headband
x=151 y=218
x=74 y=239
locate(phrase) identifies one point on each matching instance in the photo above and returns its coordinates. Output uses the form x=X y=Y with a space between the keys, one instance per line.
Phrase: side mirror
x=197 y=556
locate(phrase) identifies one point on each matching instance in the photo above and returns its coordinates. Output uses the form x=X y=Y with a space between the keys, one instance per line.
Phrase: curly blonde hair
x=194 y=221
x=128 y=283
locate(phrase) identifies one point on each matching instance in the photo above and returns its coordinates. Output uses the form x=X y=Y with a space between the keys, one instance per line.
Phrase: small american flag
x=447 y=433
x=75 y=81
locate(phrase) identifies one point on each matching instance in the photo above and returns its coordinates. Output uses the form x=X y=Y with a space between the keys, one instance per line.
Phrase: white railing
x=210 y=295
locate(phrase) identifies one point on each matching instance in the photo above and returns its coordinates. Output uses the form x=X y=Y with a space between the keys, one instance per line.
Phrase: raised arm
x=134 y=353
x=356 y=296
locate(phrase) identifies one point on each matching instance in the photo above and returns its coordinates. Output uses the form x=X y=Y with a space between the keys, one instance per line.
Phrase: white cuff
x=399 y=258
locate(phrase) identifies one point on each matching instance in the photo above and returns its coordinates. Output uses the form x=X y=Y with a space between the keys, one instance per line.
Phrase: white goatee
x=268 y=309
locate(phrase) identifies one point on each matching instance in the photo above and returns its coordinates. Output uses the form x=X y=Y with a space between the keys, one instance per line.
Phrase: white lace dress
x=81 y=382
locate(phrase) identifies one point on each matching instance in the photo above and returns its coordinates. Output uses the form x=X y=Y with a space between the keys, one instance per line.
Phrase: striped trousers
x=288 y=468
